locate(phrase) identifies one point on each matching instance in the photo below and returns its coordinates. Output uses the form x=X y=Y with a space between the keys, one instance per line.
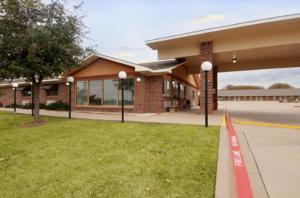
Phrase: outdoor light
x=70 y=80
x=234 y=60
x=206 y=66
x=15 y=85
x=138 y=79
x=122 y=76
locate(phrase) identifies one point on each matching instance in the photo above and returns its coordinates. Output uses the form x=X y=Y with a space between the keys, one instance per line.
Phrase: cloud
x=261 y=77
x=124 y=54
x=206 y=19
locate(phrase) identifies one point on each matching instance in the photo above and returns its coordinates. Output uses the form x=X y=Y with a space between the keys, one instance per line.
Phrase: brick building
x=284 y=95
x=174 y=81
x=150 y=87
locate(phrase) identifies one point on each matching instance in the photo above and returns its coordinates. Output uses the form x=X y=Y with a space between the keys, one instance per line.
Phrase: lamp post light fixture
x=234 y=60
x=206 y=67
x=138 y=79
x=15 y=85
x=122 y=77
x=70 y=80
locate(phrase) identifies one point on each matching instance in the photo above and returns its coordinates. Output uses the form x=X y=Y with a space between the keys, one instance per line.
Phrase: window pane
x=174 y=89
x=128 y=92
x=110 y=92
x=182 y=87
x=95 y=97
x=52 y=91
x=166 y=89
x=82 y=93
x=26 y=91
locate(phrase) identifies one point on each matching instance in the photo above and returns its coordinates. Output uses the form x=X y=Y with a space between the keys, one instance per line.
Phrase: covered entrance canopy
x=260 y=44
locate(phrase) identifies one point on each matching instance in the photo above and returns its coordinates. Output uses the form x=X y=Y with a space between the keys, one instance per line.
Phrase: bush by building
x=59 y=105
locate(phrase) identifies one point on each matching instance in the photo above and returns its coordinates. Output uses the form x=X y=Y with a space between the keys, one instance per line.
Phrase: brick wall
x=148 y=95
x=7 y=95
x=141 y=95
x=156 y=100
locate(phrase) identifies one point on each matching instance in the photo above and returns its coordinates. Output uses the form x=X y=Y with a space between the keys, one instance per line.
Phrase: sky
x=120 y=28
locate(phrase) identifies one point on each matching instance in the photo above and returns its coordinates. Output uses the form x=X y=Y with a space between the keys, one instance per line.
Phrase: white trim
x=226 y=27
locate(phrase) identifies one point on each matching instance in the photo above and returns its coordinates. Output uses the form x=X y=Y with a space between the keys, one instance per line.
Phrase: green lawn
x=84 y=158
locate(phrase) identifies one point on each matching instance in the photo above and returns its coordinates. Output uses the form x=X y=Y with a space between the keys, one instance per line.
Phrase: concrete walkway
x=181 y=117
x=275 y=152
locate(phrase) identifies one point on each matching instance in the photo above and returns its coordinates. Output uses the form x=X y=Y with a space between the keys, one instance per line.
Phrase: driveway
x=271 y=152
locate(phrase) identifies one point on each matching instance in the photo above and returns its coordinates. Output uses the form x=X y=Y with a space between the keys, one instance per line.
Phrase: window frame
x=166 y=92
x=117 y=95
x=47 y=90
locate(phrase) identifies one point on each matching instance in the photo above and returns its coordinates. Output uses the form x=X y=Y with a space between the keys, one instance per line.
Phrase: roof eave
x=154 y=42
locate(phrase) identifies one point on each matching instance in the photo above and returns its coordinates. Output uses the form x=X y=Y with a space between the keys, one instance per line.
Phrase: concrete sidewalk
x=181 y=117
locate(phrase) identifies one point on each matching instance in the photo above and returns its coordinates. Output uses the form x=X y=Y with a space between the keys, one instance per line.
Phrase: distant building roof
x=260 y=92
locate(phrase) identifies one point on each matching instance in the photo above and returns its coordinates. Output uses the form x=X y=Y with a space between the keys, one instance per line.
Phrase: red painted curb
x=243 y=187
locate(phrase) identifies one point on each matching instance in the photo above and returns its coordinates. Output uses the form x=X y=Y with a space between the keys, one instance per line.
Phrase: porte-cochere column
x=206 y=54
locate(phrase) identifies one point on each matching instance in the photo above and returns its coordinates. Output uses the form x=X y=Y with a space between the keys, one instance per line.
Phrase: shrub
x=59 y=105
x=42 y=106
x=26 y=106
x=12 y=106
x=1 y=105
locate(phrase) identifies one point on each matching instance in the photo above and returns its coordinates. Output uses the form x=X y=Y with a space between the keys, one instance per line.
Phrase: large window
x=110 y=92
x=104 y=92
x=128 y=92
x=95 y=96
x=82 y=92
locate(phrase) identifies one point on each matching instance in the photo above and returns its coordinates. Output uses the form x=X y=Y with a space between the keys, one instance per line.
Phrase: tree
x=281 y=86
x=38 y=41
x=242 y=87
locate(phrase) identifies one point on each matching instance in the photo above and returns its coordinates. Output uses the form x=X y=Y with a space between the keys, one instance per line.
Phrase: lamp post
x=15 y=85
x=70 y=80
x=122 y=76
x=32 y=98
x=206 y=67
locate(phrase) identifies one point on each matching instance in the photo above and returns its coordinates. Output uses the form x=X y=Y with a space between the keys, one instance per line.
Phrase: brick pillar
x=156 y=100
x=141 y=95
x=206 y=54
